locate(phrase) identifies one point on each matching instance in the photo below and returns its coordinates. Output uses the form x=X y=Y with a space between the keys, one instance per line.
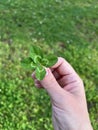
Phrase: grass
x=70 y=29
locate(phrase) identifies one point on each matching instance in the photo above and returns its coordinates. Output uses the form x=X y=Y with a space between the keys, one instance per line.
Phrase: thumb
x=51 y=85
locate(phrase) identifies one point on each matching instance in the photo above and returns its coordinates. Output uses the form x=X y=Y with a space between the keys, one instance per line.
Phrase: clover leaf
x=37 y=61
x=40 y=72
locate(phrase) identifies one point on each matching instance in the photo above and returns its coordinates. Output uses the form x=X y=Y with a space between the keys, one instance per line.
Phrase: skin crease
x=66 y=90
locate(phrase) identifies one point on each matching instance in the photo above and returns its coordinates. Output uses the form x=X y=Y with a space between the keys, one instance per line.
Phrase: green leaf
x=37 y=59
x=35 y=50
x=52 y=60
x=40 y=72
x=26 y=63
x=33 y=65
x=45 y=62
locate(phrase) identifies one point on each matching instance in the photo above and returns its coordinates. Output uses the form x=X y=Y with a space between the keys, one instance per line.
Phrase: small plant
x=37 y=61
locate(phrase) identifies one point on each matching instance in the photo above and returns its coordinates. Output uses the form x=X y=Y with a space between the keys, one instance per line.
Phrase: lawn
x=66 y=27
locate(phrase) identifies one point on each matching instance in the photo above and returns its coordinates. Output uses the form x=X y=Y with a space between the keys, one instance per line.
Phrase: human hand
x=66 y=89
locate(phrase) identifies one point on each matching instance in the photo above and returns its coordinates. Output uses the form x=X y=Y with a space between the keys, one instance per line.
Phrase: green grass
x=67 y=27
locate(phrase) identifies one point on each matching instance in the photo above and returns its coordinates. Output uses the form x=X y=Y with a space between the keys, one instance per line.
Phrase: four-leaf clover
x=37 y=61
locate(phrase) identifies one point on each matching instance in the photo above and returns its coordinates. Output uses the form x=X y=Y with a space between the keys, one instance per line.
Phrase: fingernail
x=47 y=71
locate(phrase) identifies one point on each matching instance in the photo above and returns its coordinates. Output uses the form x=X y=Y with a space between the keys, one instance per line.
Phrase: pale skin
x=66 y=90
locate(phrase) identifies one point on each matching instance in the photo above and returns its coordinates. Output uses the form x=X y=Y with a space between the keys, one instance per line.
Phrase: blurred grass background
x=67 y=27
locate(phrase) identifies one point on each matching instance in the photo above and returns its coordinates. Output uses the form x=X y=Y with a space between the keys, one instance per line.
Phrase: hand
x=66 y=89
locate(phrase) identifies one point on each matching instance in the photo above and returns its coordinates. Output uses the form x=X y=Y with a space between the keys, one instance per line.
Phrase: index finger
x=63 y=67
